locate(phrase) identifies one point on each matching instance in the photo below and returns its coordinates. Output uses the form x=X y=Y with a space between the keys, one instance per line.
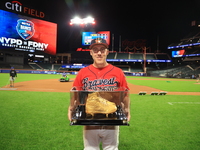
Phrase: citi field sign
x=18 y=7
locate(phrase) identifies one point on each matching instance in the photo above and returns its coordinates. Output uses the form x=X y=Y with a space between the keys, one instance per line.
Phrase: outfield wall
x=59 y=72
x=33 y=71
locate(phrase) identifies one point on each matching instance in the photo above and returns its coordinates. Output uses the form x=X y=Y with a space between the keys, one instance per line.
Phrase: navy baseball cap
x=98 y=41
x=12 y=67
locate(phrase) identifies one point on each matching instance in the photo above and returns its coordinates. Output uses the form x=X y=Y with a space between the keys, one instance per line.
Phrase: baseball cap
x=98 y=41
x=12 y=67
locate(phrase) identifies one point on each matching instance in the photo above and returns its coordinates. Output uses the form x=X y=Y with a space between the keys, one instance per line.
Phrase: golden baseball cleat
x=98 y=105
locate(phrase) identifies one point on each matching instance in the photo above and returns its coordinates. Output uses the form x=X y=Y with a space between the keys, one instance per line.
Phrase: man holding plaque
x=97 y=76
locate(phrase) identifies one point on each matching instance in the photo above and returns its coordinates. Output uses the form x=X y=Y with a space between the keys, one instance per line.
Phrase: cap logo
x=98 y=41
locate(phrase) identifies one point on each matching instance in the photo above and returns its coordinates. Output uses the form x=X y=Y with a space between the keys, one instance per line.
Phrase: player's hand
x=128 y=114
x=126 y=111
x=70 y=109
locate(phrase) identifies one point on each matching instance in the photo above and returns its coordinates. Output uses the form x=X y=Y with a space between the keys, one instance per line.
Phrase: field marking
x=36 y=89
x=41 y=89
x=8 y=89
x=172 y=103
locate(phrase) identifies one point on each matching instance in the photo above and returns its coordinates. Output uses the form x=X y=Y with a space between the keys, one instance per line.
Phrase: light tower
x=82 y=21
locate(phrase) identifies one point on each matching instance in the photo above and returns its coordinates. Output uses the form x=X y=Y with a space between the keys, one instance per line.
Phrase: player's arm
x=15 y=74
x=69 y=113
x=73 y=103
x=126 y=99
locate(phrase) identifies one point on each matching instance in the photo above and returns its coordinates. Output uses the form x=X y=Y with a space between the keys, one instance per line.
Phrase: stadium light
x=76 y=20
x=82 y=21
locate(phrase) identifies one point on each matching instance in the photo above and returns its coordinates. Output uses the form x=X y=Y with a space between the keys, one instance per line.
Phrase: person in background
x=64 y=74
x=13 y=75
x=95 y=76
x=197 y=78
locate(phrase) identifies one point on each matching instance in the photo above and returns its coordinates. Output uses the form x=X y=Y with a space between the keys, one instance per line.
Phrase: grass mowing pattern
x=157 y=125
x=167 y=85
x=38 y=121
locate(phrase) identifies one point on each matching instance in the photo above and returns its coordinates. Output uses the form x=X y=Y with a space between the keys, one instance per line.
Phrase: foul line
x=172 y=103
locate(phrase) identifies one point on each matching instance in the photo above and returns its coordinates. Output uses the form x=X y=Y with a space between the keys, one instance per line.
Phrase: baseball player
x=13 y=74
x=95 y=76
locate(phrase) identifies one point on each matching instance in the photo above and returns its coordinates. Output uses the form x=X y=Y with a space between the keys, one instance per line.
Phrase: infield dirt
x=53 y=85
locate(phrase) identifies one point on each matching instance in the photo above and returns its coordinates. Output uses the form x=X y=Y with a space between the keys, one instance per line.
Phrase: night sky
x=153 y=20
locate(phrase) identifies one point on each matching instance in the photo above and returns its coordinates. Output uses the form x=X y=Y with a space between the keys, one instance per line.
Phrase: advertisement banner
x=24 y=33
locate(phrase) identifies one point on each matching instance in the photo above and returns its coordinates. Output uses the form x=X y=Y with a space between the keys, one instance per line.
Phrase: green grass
x=35 y=120
x=27 y=77
x=38 y=120
x=156 y=125
x=169 y=85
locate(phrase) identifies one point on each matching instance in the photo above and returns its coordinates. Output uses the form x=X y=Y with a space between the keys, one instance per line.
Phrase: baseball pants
x=108 y=137
x=12 y=78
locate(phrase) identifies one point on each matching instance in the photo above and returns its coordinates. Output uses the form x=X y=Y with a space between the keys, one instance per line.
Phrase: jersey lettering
x=100 y=84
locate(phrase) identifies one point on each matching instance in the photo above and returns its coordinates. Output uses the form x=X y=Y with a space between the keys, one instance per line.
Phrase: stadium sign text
x=18 y=7
x=18 y=43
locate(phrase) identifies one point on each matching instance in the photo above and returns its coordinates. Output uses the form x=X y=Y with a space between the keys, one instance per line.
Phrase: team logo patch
x=25 y=29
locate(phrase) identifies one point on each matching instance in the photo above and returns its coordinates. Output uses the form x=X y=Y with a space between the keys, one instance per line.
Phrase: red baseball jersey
x=91 y=78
